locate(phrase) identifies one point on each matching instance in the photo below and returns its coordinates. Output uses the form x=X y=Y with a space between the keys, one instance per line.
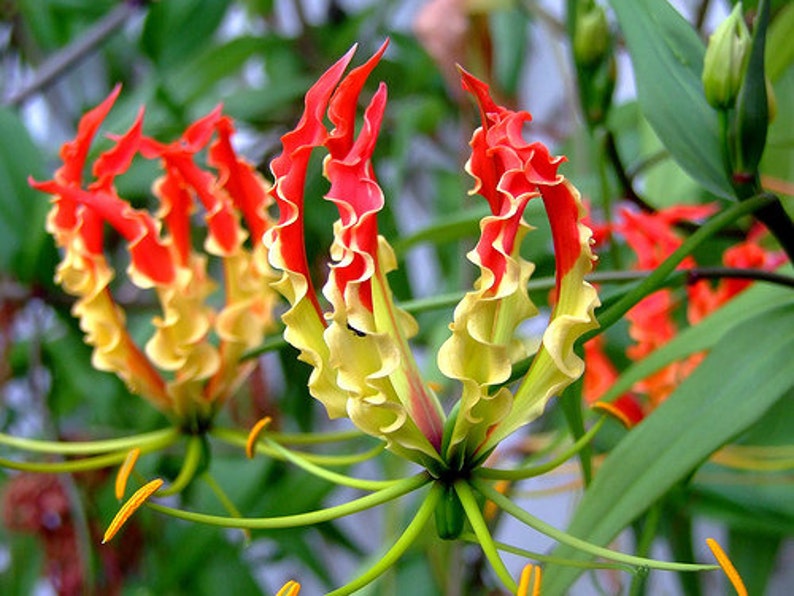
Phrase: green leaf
x=779 y=49
x=667 y=56
x=707 y=410
x=22 y=209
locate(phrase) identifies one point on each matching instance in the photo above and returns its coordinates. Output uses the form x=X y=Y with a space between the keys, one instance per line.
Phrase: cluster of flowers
x=352 y=333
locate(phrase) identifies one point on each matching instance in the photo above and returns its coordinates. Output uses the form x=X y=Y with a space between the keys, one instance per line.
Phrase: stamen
x=727 y=567
x=131 y=506
x=250 y=444
x=531 y=577
x=291 y=588
x=491 y=509
x=124 y=472
x=614 y=411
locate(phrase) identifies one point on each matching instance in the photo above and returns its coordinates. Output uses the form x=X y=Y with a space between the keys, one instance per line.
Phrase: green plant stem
x=483 y=534
x=655 y=280
x=528 y=554
x=239 y=439
x=224 y=499
x=564 y=538
x=406 y=539
x=403 y=487
x=531 y=472
x=646 y=538
x=67 y=467
x=146 y=441
x=190 y=465
x=333 y=477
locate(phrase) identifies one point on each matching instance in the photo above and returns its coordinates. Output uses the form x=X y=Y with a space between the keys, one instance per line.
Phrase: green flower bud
x=591 y=34
x=726 y=60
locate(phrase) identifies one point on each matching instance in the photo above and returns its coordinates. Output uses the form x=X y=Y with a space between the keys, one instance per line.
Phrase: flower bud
x=726 y=60
x=591 y=34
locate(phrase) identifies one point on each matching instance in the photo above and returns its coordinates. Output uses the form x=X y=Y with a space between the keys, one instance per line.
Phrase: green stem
x=403 y=487
x=151 y=441
x=483 y=534
x=528 y=554
x=334 y=477
x=67 y=467
x=227 y=503
x=406 y=539
x=564 y=538
x=531 y=472
x=239 y=439
x=647 y=536
x=190 y=465
x=651 y=283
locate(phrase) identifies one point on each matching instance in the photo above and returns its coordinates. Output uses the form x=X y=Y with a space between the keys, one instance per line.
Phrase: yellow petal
x=291 y=588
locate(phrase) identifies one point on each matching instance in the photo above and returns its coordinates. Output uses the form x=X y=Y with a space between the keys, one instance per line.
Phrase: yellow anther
x=490 y=510
x=250 y=444
x=614 y=411
x=131 y=506
x=531 y=577
x=291 y=588
x=727 y=567
x=124 y=472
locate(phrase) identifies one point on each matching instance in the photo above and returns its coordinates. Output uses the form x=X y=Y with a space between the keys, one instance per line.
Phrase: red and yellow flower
x=182 y=369
x=363 y=365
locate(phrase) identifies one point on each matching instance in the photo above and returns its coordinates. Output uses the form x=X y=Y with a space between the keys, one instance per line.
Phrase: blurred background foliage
x=180 y=58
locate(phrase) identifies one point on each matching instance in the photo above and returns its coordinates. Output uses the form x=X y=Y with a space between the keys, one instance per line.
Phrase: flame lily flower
x=652 y=321
x=180 y=370
x=363 y=366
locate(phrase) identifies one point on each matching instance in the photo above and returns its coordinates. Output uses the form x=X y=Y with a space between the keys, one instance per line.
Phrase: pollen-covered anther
x=530 y=581
x=256 y=430
x=125 y=470
x=727 y=566
x=291 y=588
x=131 y=506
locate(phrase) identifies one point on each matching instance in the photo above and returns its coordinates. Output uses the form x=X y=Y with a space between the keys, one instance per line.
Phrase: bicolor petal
x=508 y=173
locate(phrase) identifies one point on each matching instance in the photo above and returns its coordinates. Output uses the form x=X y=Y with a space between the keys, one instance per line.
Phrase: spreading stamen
x=124 y=472
x=727 y=567
x=250 y=444
x=531 y=577
x=130 y=507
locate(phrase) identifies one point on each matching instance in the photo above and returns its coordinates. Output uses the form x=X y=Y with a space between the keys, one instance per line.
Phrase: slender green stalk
x=67 y=467
x=239 y=439
x=227 y=503
x=406 y=539
x=334 y=477
x=528 y=554
x=483 y=534
x=644 y=543
x=147 y=441
x=403 y=487
x=531 y=472
x=655 y=280
x=190 y=465
x=527 y=518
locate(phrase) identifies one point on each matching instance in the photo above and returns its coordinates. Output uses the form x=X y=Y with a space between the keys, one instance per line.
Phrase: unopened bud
x=726 y=60
x=591 y=34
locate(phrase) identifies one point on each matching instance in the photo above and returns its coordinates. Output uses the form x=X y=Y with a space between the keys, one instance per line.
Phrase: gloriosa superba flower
x=363 y=367
x=191 y=363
